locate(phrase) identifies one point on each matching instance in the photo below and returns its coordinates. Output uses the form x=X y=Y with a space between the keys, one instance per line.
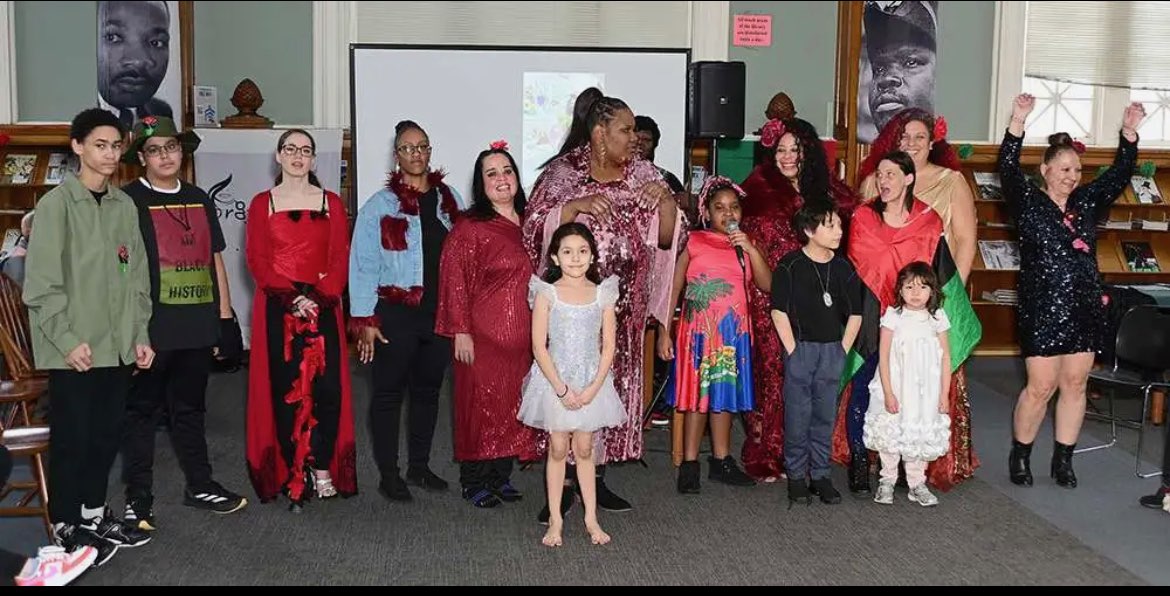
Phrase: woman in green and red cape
x=887 y=234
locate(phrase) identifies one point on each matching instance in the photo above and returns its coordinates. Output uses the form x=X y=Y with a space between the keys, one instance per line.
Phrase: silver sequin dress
x=574 y=342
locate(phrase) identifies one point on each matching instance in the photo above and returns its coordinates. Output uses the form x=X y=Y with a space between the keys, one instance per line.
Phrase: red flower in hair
x=500 y=145
x=940 y=129
x=1079 y=147
x=771 y=133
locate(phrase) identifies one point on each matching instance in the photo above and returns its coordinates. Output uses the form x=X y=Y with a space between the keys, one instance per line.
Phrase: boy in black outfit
x=816 y=307
x=192 y=314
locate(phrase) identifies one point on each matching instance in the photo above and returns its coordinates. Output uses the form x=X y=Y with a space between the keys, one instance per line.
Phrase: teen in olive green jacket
x=87 y=288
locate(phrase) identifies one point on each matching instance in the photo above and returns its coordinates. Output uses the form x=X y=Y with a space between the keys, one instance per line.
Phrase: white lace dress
x=918 y=432
x=574 y=342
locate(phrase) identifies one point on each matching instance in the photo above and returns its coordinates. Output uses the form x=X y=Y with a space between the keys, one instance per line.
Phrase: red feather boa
x=408 y=196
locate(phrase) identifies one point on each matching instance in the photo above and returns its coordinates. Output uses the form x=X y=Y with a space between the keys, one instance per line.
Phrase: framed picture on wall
x=897 y=63
x=139 y=59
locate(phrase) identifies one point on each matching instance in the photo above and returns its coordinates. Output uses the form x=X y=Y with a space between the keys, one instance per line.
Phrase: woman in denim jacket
x=393 y=285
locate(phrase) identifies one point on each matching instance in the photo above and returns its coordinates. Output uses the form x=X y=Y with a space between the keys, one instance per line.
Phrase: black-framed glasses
x=158 y=150
x=290 y=150
x=414 y=149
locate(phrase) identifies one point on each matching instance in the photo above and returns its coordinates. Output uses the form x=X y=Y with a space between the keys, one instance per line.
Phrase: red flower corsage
x=940 y=129
x=771 y=133
x=500 y=145
x=123 y=258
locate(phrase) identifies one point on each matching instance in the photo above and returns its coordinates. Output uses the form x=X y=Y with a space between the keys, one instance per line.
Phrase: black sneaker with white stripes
x=214 y=497
x=140 y=513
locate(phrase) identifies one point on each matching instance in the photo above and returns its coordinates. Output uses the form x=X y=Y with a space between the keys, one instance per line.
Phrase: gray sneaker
x=922 y=495
x=885 y=493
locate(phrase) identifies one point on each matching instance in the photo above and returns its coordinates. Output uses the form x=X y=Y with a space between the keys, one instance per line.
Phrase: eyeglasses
x=159 y=150
x=414 y=149
x=291 y=150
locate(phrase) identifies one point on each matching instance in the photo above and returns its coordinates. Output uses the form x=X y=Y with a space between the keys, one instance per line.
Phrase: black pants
x=326 y=388
x=489 y=473
x=174 y=386
x=415 y=359
x=1166 y=459
x=88 y=409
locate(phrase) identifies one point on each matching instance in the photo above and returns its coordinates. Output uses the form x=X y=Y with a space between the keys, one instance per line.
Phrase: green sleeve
x=44 y=280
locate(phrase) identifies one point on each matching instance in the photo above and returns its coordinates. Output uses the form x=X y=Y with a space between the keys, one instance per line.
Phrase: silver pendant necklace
x=825 y=295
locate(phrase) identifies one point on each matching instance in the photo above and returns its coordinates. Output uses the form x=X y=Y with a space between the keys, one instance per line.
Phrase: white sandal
x=324 y=487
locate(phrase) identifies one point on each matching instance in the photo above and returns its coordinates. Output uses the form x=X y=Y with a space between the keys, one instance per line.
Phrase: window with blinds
x=1104 y=44
x=575 y=24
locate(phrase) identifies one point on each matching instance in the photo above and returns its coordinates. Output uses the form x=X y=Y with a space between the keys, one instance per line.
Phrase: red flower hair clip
x=1078 y=146
x=500 y=145
x=940 y=129
x=771 y=133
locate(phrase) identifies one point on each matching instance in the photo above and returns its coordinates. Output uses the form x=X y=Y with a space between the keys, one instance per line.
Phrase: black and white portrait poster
x=138 y=59
x=898 y=58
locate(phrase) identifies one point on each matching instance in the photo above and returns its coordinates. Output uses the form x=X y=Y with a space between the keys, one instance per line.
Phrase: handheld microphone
x=733 y=227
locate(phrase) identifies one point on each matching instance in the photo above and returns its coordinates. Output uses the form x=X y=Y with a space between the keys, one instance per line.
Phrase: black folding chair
x=1141 y=361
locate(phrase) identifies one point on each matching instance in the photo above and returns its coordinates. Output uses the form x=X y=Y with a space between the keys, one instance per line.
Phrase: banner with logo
x=234 y=166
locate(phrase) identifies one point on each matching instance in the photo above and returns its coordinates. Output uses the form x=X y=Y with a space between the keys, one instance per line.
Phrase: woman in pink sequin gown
x=598 y=180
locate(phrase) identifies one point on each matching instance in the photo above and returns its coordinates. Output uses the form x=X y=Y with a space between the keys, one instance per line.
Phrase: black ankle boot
x=1019 y=463
x=859 y=473
x=798 y=492
x=688 y=478
x=1062 y=469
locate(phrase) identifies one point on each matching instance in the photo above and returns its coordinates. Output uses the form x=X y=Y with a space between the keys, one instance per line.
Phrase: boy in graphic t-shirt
x=192 y=316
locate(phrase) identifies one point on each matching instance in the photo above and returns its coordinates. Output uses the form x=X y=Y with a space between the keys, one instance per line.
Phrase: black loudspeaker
x=716 y=102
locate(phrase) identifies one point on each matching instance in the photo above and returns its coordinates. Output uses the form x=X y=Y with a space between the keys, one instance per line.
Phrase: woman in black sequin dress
x=1061 y=304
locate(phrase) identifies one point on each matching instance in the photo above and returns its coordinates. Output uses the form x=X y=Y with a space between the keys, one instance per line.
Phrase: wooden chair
x=18 y=397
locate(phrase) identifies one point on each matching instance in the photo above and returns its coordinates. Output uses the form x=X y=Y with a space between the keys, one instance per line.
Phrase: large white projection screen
x=465 y=98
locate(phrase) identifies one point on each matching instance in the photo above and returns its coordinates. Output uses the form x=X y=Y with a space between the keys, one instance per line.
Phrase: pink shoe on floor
x=53 y=566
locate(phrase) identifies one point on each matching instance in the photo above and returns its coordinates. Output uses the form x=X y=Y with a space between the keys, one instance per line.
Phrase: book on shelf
x=1118 y=224
x=18 y=169
x=11 y=237
x=58 y=165
x=1000 y=296
x=1145 y=190
x=989 y=186
x=1139 y=257
x=1155 y=226
x=1000 y=254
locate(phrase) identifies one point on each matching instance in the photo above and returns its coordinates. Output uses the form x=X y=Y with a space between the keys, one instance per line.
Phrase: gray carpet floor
x=978 y=535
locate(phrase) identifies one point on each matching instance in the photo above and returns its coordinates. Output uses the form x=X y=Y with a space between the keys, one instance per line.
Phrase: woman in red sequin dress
x=483 y=307
x=300 y=418
x=795 y=167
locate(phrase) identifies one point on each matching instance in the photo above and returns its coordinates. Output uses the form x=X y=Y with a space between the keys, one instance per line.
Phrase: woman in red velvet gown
x=300 y=417
x=483 y=307
x=794 y=166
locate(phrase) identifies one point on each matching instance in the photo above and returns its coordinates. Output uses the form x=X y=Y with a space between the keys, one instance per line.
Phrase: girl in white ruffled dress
x=908 y=407
x=569 y=391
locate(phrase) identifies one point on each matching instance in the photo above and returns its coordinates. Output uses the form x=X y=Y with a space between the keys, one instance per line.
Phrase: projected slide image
x=548 y=111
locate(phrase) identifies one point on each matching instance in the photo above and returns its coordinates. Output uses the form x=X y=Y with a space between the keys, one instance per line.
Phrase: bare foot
x=596 y=534
x=552 y=538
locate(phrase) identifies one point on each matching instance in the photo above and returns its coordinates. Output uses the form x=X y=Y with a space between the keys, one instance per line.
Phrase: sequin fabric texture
x=1061 y=303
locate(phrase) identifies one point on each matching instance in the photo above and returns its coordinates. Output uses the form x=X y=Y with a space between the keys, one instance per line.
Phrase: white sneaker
x=922 y=495
x=55 y=567
x=885 y=493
